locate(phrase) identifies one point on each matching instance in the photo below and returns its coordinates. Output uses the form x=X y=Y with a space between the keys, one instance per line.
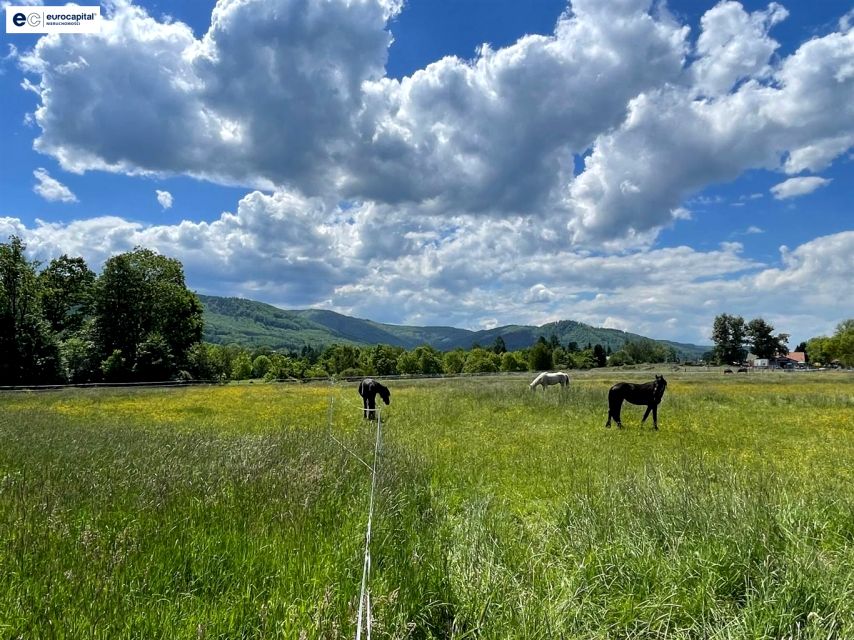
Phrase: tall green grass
x=230 y=512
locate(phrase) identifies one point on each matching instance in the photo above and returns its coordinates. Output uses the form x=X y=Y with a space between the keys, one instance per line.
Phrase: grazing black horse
x=649 y=393
x=368 y=389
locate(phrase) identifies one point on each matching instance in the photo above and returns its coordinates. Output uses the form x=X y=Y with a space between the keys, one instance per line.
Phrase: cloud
x=266 y=96
x=286 y=249
x=702 y=140
x=272 y=244
x=539 y=293
x=464 y=204
x=794 y=187
x=51 y=189
x=494 y=136
x=164 y=198
x=734 y=45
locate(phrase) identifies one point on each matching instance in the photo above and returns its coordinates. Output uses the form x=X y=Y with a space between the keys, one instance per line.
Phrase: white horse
x=547 y=379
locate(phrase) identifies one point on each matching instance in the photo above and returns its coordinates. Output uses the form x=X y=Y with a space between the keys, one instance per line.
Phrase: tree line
x=733 y=337
x=837 y=348
x=233 y=362
x=136 y=320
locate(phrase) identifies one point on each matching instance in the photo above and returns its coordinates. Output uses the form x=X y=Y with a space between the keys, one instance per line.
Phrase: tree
x=646 y=350
x=481 y=361
x=66 y=288
x=78 y=357
x=29 y=352
x=140 y=298
x=424 y=359
x=599 y=355
x=261 y=366
x=584 y=359
x=763 y=343
x=728 y=334
x=840 y=346
x=561 y=359
x=843 y=343
x=819 y=350
x=540 y=356
x=429 y=360
x=619 y=358
x=407 y=363
x=114 y=367
x=381 y=360
x=454 y=361
x=498 y=346
x=241 y=367
x=154 y=359
x=510 y=361
x=338 y=357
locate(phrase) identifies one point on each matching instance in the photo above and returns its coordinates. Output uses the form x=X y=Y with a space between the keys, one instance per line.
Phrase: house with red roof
x=798 y=358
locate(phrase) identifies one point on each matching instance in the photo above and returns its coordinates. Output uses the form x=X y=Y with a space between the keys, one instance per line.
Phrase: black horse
x=368 y=389
x=649 y=393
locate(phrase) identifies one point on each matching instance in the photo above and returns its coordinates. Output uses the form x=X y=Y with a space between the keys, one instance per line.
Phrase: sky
x=630 y=164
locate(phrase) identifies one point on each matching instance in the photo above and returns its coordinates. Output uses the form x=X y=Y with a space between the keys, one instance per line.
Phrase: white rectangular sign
x=67 y=19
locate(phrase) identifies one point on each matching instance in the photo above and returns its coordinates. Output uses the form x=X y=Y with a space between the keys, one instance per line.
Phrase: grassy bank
x=230 y=512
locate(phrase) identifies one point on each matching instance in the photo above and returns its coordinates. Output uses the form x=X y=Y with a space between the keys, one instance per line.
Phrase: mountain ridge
x=256 y=324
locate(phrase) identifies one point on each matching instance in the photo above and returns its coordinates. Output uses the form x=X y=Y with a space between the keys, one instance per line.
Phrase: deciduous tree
x=141 y=298
x=28 y=350
x=66 y=288
x=763 y=343
x=728 y=334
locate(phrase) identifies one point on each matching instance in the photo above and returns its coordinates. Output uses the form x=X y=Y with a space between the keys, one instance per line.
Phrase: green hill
x=255 y=324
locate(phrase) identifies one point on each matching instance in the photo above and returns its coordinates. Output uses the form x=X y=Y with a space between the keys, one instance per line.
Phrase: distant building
x=799 y=358
x=791 y=361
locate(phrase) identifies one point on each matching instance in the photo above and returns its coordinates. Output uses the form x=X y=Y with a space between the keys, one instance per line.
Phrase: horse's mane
x=536 y=380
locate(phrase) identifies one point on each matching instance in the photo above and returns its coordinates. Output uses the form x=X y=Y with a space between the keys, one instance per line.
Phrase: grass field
x=229 y=512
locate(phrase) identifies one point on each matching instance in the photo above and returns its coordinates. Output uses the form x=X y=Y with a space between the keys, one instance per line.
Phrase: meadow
x=230 y=511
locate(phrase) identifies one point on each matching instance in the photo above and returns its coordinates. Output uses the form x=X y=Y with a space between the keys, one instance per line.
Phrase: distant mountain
x=255 y=324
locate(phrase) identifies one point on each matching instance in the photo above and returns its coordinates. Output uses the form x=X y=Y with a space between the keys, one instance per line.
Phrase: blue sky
x=625 y=163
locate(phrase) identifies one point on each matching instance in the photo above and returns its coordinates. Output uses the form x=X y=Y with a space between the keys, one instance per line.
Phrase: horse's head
x=658 y=388
x=385 y=394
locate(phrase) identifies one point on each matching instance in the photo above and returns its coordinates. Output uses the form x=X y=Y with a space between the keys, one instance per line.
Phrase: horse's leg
x=365 y=405
x=655 y=416
x=614 y=405
x=372 y=407
x=646 y=413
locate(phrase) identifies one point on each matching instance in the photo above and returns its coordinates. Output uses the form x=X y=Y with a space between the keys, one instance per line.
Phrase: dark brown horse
x=649 y=393
x=368 y=389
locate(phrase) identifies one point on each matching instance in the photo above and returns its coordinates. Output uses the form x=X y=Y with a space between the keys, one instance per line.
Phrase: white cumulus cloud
x=51 y=189
x=794 y=187
x=164 y=198
x=658 y=116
